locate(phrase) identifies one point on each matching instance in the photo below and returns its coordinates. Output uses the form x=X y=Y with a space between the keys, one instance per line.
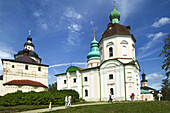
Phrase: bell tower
x=94 y=56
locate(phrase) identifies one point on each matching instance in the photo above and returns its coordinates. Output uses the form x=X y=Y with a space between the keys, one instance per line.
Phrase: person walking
x=50 y=106
x=69 y=101
x=133 y=96
x=110 y=98
x=66 y=101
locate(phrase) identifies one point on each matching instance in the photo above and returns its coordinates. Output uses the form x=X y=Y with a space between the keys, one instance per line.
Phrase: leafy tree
x=166 y=89
x=52 y=87
x=165 y=66
x=166 y=55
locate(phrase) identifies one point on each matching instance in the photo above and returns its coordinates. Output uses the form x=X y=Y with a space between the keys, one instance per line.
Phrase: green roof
x=95 y=53
x=73 y=68
x=114 y=16
x=142 y=91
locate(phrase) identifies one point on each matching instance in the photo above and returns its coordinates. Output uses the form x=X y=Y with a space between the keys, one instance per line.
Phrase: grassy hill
x=127 y=107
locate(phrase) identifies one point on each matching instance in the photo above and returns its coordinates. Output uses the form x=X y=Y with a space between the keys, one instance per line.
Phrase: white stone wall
x=147 y=97
x=93 y=84
x=93 y=63
x=15 y=88
x=115 y=42
x=17 y=71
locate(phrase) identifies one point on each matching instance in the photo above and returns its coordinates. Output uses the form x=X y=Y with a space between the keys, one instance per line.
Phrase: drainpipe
x=82 y=84
x=125 y=82
x=100 y=82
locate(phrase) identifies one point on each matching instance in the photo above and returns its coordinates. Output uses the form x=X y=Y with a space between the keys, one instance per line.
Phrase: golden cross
x=29 y=32
x=114 y=4
x=94 y=33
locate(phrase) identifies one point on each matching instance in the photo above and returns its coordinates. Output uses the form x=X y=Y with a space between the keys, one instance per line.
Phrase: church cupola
x=29 y=50
x=114 y=16
x=29 y=45
x=144 y=81
x=94 y=56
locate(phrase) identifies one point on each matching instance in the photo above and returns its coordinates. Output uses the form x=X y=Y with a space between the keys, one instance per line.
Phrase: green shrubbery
x=38 y=98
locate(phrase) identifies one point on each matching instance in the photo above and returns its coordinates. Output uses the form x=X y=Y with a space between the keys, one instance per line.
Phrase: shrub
x=38 y=98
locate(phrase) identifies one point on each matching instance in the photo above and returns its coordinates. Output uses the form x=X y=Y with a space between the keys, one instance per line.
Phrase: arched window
x=110 y=52
x=86 y=92
x=124 y=49
x=111 y=91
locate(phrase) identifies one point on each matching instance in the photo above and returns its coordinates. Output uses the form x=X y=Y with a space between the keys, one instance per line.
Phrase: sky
x=63 y=29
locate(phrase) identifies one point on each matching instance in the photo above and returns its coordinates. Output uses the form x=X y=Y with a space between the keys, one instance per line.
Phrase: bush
x=38 y=98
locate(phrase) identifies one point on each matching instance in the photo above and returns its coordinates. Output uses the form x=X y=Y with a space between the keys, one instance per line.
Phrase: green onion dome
x=114 y=16
x=95 y=53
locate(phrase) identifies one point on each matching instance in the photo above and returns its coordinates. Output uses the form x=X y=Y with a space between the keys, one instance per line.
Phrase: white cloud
x=37 y=14
x=149 y=59
x=154 y=76
x=153 y=41
x=156 y=85
x=71 y=13
x=161 y=22
x=74 y=27
x=131 y=5
x=44 y=26
x=91 y=22
x=6 y=52
x=155 y=80
x=73 y=20
x=65 y=64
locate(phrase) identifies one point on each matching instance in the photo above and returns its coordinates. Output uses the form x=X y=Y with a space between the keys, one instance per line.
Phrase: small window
x=74 y=80
x=39 y=68
x=85 y=79
x=64 y=81
x=111 y=76
x=124 y=51
x=26 y=67
x=110 y=52
x=13 y=66
x=86 y=93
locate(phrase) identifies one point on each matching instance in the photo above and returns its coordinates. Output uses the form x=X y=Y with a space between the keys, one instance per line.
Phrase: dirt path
x=60 y=107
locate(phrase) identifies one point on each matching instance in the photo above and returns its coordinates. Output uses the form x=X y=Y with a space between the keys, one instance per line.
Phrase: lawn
x=19 y=108
x=128 y=107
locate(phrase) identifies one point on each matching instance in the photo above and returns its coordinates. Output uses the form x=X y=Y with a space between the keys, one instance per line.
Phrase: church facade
x=112 y=66
x=25 y=72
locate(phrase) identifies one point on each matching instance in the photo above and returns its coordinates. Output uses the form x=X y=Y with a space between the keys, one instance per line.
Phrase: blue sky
x=63 y=29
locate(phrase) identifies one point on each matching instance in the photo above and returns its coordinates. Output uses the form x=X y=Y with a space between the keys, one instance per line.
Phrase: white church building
x=112 y=66
x=25 y=72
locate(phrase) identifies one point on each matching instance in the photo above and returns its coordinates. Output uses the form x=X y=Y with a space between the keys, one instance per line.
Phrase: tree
x=165 y=82
x=52 y=87
x=166 y=89
x=166 y=55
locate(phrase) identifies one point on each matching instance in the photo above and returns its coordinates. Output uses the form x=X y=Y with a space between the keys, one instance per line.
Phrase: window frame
x=65 y=81
x=110 y=76
x=26 y=67
x=85 y=79
x=110 y=51
x=86 y=93
x=74 y=80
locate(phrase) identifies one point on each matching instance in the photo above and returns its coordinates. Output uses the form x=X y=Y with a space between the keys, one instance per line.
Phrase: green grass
x=128 y=107
x=12 y=109
x=19 y=108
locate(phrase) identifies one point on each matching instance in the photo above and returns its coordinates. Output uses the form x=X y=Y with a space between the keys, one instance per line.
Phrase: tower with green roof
x=94 y=56
x=114 y=16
